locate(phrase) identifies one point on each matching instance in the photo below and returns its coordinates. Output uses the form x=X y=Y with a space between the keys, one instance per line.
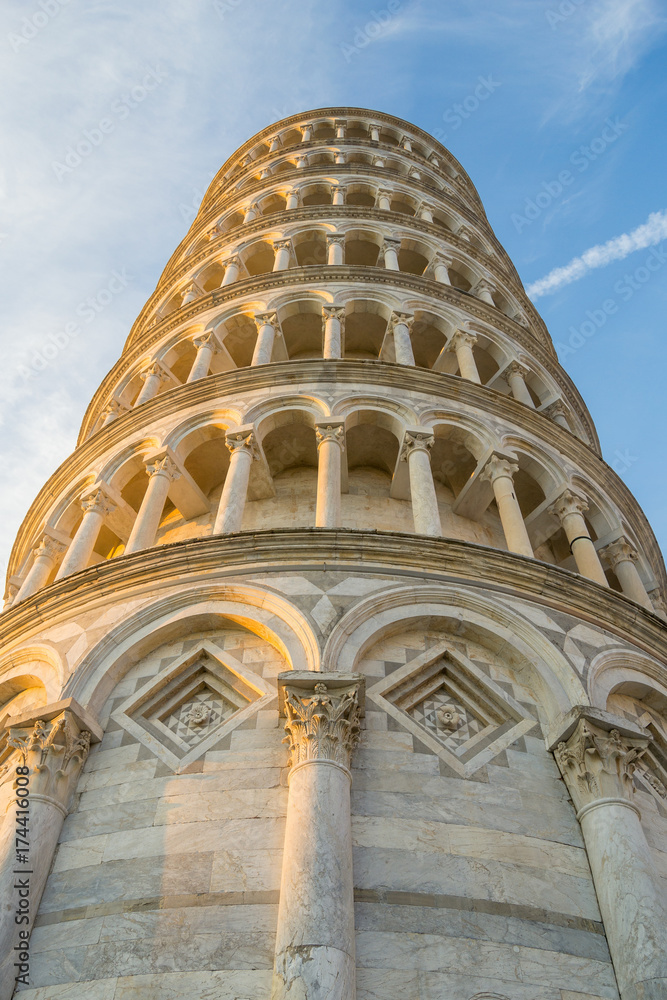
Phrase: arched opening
x=258 y=258
x=310 y=248
x=372 y=450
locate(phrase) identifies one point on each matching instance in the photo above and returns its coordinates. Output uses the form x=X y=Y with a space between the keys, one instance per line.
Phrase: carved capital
x=233 y=261
x=204 y=340
x=337 y=188
x=115 y=408
x=499 y=467
x=555 y=409
x=619 y=551
x=333 y=312
x=391 y=244
x=163 y=466
x=331 y=431
x=598 y=764
x=153 y=370
x=443 y=259
x=416 y=441
x=515 y=368
x=462 y=338
x=322 y=723
x=282 y=245
x=568 y=502
x=485 y=286
x=190 y=292
x=97 y=502
x=266 y=319
x=401 y=319
x=49 y=548
x=242 y=441
x=335 y=238
x=465 y=233
x=55 y=752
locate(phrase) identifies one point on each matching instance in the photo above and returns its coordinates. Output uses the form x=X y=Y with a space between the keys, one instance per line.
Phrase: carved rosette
x=598 y=764
x=55 y=752
x=321 y=724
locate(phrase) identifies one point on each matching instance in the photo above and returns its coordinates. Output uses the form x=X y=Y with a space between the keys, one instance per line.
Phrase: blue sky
x=554 y=104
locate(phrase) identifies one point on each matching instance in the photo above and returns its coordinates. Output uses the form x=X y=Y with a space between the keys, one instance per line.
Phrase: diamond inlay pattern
x=199 y=716
x=452 y=727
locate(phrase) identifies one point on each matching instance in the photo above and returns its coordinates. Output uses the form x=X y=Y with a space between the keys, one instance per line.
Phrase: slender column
x=340 y=129
x=401 y=326
x=659 y=606
x=597 y=763
x=205 y=350
x=292 y=200
x=162 y=473
x=425 y=513
x=306 y=133
x=265 y=172
x=314 y=958
x=251 y=212
x=244 y=451
x=384 y=199
x=500 y=471
x=406 y=143
x=282 y=250
x=330 y=446
x=190 y=293
x=379 y=161
x=112 y=411
x=53 y=753
x=441 y=266
x=338 y=194
x=45 y=558
x=375 y=133
x=390 y=250
x=301 y=161
x=153 y=377
x=333 y=319
x=266 y=331
x=96 y=506
x=515 y=375
x=232 y=269
x=465 y=233
x=340 y=157
x=462 y=344
x=556 y=412
x=275 y=144
x=484 y=291
x=415 y=174
x=335 y=249
x=622 y=556
x=426 y=212
x=569 y=509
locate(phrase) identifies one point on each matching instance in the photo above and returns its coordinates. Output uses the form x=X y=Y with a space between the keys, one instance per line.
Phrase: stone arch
x=631 y=669
x=30 y=677
x=262 y=611
x=548 y=672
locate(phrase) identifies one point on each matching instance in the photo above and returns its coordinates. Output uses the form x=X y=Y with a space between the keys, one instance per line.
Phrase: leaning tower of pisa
x=333 y=658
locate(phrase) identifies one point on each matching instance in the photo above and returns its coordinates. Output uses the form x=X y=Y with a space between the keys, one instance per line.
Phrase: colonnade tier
x=458 y=468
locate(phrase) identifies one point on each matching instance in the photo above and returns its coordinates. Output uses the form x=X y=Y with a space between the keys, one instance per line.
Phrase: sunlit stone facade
x=335 y=651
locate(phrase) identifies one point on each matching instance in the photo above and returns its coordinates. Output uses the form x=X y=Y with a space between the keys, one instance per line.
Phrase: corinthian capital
x=97 y=501
x=322 y=719
x=242 y=440
x=569 y=502
x=598 y=763
x=499 y=467
x=55 y=752
x=330 y=431
x=416 y=441
x=163 y=466
x=619 y=551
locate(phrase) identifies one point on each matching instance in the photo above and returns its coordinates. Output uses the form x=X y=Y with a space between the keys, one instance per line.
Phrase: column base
x=314 y=972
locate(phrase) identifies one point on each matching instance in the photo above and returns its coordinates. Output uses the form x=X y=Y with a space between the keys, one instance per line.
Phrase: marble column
x=375 y=133
x=306 y=133
x=244 y=451
x=569 y=509
x=379 y=161
x=251 y=212
x=597 y=755
x=301 y=161
x=232 y=269
x=401 y=326
x=462 y=344
x=275 y=144
x=266 y=332
x=282 y=250
x=45 y=558
x=333 y=319
x=622 y=557
x=500 y=471
x=515 y=376
x=330 y=437
x=292 y=200
x=112 y=411
x=390 y=250
x=441 y=266
x=426 y=212
x=153 y=377
x=96 y=506
x=340 y=157
x=340 y=129
x=189 y=294
x=406 y=143
x=314 y=957
x=337 y=194
x=202 y=364
x=53 y=753
x=416 y=451
x=556 y=411
x=335 y=249
x=161 y=472
x=384 y=199
x=484 y=291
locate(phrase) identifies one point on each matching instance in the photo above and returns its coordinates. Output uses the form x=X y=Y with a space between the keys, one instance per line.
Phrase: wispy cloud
x=653 y=231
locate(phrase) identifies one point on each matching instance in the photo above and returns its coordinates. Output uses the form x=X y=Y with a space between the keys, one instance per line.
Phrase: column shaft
x=96 y=506
x=152 y=381
x=330 y=441
x=231 y=272
x=425 y=512
x=402 y=342
x=235 y=491
x=266 y=333
x=517 y=383
x=462 y=344
x=332 y=332
x=511 y=517
x=631 y=583
x=202 y=363
x=46 y=555
x=148 y=519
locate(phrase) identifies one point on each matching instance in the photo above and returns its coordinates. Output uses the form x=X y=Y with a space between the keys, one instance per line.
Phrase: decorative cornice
x=376 y=373
x=414 y=557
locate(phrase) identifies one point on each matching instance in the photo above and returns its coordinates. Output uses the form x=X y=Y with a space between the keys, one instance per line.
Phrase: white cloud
x=651 y=232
